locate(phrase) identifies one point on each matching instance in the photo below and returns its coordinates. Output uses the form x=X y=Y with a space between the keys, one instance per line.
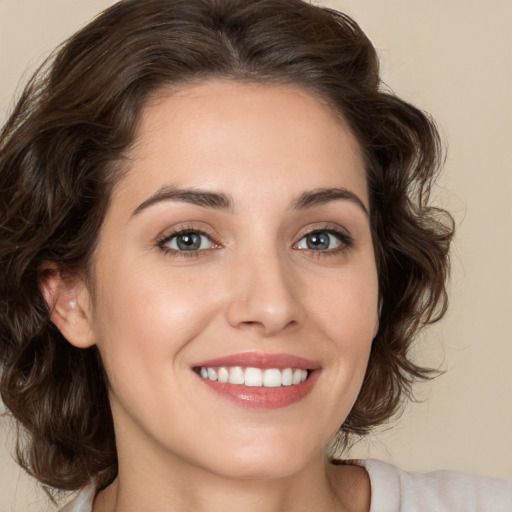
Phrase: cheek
x=346 y=311
x=347 y=305
x=153 y=314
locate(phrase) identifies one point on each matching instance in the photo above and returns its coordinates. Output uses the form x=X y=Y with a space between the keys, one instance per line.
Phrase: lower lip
x=262 y=397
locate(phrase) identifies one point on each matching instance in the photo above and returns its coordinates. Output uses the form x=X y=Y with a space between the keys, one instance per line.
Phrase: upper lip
x=260 y=360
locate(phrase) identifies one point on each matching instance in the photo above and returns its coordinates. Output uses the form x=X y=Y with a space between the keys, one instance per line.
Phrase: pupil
x=189 y=241
x=318 y=241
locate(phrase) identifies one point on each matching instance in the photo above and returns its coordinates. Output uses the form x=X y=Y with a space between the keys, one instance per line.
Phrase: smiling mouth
x=254 y=377
x=259 y=381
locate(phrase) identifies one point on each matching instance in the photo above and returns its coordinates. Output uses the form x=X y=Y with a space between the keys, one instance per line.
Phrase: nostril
x=263 y=312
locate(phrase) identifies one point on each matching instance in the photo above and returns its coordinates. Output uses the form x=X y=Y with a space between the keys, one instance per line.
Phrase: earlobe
x=69 y=304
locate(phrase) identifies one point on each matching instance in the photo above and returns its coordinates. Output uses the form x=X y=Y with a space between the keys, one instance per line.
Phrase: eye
x=187 y=241
x=323 y=240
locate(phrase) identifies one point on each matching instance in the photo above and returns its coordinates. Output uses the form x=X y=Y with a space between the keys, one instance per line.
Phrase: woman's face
x=238 y=239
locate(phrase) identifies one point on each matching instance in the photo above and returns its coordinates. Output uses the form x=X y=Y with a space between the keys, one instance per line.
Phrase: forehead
x=237 y=136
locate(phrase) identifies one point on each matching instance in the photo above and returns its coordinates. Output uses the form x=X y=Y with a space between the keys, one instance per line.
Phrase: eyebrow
x=221 y=201
x=215 y=200
x=322 y=196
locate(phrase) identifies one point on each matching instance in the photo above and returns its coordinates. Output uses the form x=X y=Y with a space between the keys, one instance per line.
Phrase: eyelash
x=344 y=239
x=161 y=243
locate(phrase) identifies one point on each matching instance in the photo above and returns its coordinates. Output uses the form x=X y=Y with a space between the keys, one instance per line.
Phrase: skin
x=254 y=286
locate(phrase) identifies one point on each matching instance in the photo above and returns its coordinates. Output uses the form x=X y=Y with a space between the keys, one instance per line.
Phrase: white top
x=394 y=490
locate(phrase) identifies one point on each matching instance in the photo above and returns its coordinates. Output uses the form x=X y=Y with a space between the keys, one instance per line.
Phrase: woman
x=218 y=250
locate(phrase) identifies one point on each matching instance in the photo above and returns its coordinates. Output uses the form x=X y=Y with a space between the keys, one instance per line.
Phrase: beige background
x=453 y=59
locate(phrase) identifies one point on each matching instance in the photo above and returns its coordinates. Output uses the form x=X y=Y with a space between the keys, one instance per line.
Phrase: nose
x=265 y=296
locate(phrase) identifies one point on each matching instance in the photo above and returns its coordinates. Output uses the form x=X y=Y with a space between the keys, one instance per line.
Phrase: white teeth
x=287 y=377
x=236 y=375
x=255 y=377
x=297 y=376
x=272 y=378
x=223 y=375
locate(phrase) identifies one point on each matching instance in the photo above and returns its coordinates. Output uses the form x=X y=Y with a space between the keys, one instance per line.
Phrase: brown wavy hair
x=61 y=152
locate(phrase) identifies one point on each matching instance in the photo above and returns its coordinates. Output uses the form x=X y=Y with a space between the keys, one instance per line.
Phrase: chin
x=265 y=459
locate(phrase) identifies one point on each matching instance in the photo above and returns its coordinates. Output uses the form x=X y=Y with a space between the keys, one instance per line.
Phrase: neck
x=320 y=486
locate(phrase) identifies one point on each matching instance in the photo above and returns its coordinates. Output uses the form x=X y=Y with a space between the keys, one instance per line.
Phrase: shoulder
x=394 y=490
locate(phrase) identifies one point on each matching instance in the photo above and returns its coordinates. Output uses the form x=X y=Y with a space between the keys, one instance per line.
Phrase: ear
x=377 y=319
x=70 y=306
x=376 y=328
